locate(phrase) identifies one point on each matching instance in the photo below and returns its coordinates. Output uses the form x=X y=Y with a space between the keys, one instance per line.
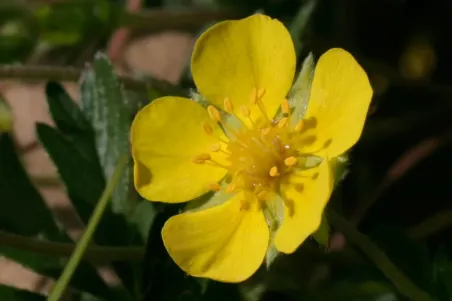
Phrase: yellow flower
x=183 y=150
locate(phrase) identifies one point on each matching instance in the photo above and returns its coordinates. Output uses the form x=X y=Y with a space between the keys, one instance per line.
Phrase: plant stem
x=82 y=244
x=378 y=257
x=432 y=224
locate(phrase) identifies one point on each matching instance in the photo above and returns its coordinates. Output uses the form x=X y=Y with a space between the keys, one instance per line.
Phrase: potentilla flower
x=272 y=170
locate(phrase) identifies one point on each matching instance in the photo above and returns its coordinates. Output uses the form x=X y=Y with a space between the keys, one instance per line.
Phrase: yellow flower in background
x=183 y=150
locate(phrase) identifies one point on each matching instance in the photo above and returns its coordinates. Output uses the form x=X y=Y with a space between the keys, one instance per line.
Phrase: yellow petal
x=340 y=97
x=303 y=207
x=224 y=243
x=166 y=135
x=234 y=57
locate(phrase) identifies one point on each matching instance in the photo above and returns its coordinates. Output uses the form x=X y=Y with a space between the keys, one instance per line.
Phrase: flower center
x=260 y=156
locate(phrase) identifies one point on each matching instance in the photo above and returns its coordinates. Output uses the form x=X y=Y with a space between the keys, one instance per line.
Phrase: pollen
x=259 y=156
x=290 y=161
x=282 y=122
x=228 y=105
x=214 y=113
x=231 y=187
x=285 y=106
x=215 y=187
x=299 y=126
x=274 y=171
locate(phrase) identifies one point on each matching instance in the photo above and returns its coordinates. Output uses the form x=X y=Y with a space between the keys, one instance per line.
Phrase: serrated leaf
x=23 y=209
x=84 y=184
x=70 y=120
x=65 y=112
x=105 y=104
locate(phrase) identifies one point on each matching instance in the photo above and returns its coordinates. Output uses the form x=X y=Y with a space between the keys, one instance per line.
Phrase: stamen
x=231 y=187
x=228 y=105
x=199 y=161
x=207 y=128
x=299 y=126
x=260 y=93
x=285 y=106
x=282 y=122
x=290 y=161
x=245 y=111
x=216 y=147
x=315 y=176
x=274 y=171
x=215 y=187
x=255 y=98
x=214 y=113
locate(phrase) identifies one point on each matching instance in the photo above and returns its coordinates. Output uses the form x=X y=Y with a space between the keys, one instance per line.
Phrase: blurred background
x=398 y=186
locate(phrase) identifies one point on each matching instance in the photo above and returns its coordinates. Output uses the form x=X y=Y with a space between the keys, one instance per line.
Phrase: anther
x=228 y=105
x=315 y=176
x=199 y=161
x=290 y=161
x=215 y=187
x=285 y=106
x=274 y=171
x=216 y=147
x=207 y=128
x=260 y=93
x=245 y=111
x=214 y=113
x=231 y=187
x=282 y=122
x=299 y=126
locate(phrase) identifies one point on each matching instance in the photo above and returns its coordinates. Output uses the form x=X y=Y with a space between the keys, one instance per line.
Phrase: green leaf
x=8 y=293
x=300 y=23
x=322 y=235
x=142 y=216
x=70 y=120
x=412 y=258
x=299 y=93
x=84 y=184
x=162 y=278
x=107 y=108
x=23 y=209
x=65 y=112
